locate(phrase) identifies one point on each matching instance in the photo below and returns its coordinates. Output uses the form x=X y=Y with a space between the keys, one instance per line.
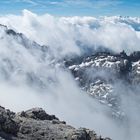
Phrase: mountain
x=134 y=22
x=21 y=59
x=101 y=74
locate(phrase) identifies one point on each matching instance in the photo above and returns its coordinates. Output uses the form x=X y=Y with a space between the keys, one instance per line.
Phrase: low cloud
x=63 y=33
x=28 y=80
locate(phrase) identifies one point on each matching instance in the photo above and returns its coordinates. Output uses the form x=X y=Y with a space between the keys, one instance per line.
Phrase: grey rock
x=7 y=123
x=36 y=124
x=38 y=114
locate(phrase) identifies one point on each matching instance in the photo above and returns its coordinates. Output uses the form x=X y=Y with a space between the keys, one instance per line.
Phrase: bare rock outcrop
x=36 y=124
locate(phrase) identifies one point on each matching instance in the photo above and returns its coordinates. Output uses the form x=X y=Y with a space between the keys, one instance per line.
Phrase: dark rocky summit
x=36 y=124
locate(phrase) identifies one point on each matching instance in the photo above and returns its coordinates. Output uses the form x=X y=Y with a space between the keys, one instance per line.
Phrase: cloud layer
x=30 y=78
x=71 y=34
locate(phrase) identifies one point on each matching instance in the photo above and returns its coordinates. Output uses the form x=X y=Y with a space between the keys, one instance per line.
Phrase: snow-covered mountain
x=134 y=22
x=101 y=74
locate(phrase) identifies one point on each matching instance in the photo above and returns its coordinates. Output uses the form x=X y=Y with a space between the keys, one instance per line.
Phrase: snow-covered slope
x=101 y=75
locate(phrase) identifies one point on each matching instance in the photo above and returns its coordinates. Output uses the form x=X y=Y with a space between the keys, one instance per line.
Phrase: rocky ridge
x=101 y=73
x=36 y=124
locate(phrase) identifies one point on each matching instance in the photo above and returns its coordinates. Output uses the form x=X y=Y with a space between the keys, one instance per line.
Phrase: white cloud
x=31 y=2
x=88 y=3
x=24 y=72
x=27 y=80
x=62 y=33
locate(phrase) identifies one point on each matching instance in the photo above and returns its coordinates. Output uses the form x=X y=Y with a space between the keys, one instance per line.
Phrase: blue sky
x=73 y=7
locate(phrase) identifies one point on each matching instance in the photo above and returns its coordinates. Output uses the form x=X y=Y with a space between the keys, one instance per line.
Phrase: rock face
x=101 y=74
x=36 y=124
